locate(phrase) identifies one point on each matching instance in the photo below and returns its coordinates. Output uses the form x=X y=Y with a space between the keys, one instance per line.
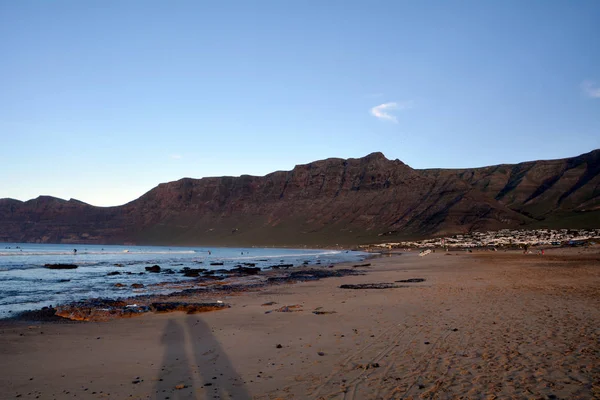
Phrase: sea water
x=25 y=284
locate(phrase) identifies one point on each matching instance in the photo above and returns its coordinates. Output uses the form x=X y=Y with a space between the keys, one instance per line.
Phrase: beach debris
x=216 y=263
x=278 y=346
x=318 y=312
x=321 y=353
x=424 y=253
x=119 y=285
x=372 y=286
x=60 y=266
x=361 y=265
x=180 y=386
x=367 y=366
x=154 y=268
x=411 y=280
x=189 y=308
x=137 y=285
x=270 y=303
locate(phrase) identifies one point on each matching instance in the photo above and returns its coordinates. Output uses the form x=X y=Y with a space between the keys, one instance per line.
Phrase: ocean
x=25 y=284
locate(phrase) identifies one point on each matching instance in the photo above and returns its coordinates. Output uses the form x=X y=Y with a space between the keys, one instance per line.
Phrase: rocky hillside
x=554 y=190
x=326 y=202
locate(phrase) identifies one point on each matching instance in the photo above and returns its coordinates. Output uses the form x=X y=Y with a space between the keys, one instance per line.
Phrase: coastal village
x=505 y=239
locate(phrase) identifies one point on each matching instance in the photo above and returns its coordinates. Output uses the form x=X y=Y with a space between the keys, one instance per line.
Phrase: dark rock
x=361 y=265
x=60 y=266
x=216 y=263
x=292 y=308
x=192 y=273
x=246 y=270
x=313 y=275
x=189 y=308
x=371 y=286
x=411 y=280
x=119 y=285
x=45 y=314
x=221 y=271
x=321 y=353
x=137 y=285
x=113 y=273
x=281 y=266
x=279 y=346
x=154 y=268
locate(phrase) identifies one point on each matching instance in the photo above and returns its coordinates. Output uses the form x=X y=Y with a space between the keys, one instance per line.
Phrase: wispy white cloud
x=382 y=111
x=590 y=89
x=176 y=156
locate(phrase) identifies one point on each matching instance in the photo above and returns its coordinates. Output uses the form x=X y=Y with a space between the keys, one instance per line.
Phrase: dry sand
x=481 y=326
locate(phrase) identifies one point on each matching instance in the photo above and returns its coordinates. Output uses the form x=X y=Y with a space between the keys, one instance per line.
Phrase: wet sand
x=482 y=325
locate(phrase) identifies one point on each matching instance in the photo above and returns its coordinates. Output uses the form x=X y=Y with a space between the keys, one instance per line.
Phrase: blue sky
x=102 y=100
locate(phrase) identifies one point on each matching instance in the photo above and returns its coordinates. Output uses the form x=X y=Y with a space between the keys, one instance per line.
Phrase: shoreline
x=480 y=325
x=199 y=288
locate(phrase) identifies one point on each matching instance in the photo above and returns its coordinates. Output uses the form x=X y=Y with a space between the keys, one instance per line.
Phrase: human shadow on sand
x=194 y=365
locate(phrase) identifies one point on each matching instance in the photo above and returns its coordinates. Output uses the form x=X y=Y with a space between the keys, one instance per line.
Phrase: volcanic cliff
x=327 y=202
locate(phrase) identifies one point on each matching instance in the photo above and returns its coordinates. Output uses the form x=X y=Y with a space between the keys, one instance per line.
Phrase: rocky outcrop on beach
x=104 y=309
x=327 y=202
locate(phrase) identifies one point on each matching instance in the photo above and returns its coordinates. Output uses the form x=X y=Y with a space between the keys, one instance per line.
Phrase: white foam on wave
x=299 y=255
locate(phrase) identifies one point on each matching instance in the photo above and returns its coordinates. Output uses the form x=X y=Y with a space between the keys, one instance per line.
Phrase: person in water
x=74 y=251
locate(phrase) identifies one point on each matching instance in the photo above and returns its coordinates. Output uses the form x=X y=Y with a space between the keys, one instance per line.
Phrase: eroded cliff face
x=326 y=202
x=539 y=189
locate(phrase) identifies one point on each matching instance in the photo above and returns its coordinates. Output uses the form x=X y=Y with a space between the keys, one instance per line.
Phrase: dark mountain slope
x=539 y=189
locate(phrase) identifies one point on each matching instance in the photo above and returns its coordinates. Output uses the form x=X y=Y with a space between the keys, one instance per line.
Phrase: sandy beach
x=481 y=325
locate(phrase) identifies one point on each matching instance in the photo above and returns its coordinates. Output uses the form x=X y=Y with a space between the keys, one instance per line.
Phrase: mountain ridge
x=324 y=202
